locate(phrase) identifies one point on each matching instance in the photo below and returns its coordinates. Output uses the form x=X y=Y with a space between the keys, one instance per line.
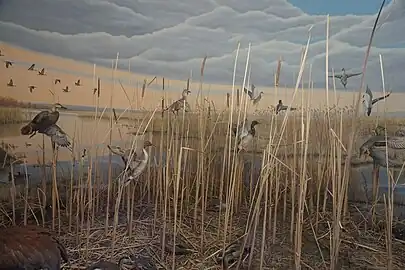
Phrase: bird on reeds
x=42 y=72
x=135 y=159
x=30 y=247
x=180 y=104
x=57 y=81
x=31 y=68
x=77 y=83
x=281 y=107
x=31 y=88
x=8 y=64
x=251 y=94
x=66 y=89
x=42 y=120
x=230 y=256
x=11 y=83
x=368 y=100
x=242 y=130
x=344 y=76
x=245 y=140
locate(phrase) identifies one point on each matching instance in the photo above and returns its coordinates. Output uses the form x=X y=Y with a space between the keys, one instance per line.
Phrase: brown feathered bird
x=30 y=247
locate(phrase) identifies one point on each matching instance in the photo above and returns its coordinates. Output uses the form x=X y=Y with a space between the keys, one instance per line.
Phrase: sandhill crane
x=8 y=64
x=11 y=83
x=31 y=68
x=344 y=76
x=42 y=72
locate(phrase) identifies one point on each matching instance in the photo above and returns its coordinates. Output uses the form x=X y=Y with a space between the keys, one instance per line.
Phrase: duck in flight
x=31 y=68
x=11 y=83
x=31 y=87
x=66 y=89
x=251 y=94
x=42 y=72
x=78 y=83
x=368 y=100
x=57 y=81
x=8 y=64
x=344 y=76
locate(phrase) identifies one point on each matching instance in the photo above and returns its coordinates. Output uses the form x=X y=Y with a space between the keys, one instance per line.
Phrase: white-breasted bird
x=368 y=100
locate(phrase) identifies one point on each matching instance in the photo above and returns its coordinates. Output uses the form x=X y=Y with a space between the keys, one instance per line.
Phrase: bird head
x=261 y=93
x=280 y=101
x=147 y=144
x=60 y=106
x=254 y=123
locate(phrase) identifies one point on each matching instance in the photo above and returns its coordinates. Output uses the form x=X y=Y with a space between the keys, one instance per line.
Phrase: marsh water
x=95 y=138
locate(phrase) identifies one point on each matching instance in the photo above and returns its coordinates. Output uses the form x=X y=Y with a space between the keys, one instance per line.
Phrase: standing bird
x=135 y=160
x=344 y=76
x=180 y=104
x=78 y=83
x=8 y=64
x=11 y=83
x=42 y=120
x=42 y=72
x=368 y=100
x=57 y=81
x=31 y=87
x=245 y=140
x=66 y=89
x=30 y=247
x=252 y=96
x=31 y=68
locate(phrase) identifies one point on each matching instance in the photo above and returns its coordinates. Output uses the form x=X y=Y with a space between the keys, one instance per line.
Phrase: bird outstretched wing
x=338 y=76
x=249 y=93
x=380 y=98
x=58 y=136
x=352 y=74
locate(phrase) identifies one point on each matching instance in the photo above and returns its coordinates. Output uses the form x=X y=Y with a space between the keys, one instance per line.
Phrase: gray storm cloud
x=170 y=37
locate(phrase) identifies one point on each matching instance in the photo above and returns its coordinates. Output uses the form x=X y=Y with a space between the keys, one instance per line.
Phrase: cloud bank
x=170 y=37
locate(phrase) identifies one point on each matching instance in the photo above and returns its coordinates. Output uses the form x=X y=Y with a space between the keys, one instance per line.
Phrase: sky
x=338 y=7
x=171 y=37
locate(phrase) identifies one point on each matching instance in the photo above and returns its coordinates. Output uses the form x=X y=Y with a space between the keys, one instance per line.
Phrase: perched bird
x=252 y=96
x=180 y=104
x=135 y=160
x=240 y=131
x=30 y=247
x=245 y=140
x=230 y=256
x=11 y=83
x=42 y=120
x=368 y=100
x=42 y=72
x=8 y=64
x=31 y=87
x=344 y=76
x=57 y=81
x=78 y=83
x=66 y=89
x=31 y=68
x=281 y=107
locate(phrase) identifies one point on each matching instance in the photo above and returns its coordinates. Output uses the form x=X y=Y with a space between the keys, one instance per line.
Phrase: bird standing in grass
x=30 y=247
x=368 y=100
x=245 y=140
x=8 y=64
x=180 y=104
x=344 y=76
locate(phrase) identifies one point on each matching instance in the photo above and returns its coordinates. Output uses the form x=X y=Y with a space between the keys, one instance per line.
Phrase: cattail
x=228 y=100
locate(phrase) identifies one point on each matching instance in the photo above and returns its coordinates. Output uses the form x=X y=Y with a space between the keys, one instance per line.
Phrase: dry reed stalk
x=277 y=77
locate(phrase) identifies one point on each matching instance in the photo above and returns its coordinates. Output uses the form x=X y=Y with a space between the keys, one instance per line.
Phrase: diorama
x=209 y=134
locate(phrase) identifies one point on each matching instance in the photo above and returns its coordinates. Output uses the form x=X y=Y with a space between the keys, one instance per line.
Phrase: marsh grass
x=293 y=211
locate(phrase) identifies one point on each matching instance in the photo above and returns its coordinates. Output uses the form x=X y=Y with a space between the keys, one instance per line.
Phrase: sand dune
x=68 y=71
